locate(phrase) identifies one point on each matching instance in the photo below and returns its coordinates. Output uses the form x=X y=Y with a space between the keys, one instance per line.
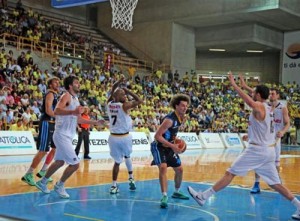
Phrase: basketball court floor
x=90 y=198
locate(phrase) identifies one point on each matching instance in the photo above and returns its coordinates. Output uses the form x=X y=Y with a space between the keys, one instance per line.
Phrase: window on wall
x=222 y=78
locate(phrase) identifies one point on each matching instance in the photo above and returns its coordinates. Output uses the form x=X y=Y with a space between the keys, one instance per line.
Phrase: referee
x=84 y=134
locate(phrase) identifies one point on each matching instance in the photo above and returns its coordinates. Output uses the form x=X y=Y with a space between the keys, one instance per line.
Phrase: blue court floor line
x=95 y=203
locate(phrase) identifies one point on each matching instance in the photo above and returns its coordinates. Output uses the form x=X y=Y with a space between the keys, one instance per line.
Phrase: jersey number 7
x=114 y=117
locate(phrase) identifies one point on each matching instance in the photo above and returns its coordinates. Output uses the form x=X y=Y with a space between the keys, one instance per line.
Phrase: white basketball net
x=122 y=12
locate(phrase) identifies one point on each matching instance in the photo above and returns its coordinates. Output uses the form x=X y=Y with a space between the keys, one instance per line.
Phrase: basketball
x=181 y=144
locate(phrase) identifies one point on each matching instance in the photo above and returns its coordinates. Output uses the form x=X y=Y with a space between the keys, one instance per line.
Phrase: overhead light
x=216 y=49
x=210 y=72
x=79 y=56
x=57 y=52
x=254 y=51
x=69 y=54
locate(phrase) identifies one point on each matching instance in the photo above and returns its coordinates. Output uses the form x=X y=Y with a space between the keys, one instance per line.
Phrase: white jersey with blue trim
x=262 y=133
x=120 y=122
x=67 y=124
x=278 y=117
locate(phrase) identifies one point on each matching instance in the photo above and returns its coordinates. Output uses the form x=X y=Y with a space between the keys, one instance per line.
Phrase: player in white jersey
x=260 y=153
x=67 y=115
x=281 y=124
x=120 y=123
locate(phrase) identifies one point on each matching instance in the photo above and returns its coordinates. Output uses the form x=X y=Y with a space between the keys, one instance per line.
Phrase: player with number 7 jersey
x=120 y=124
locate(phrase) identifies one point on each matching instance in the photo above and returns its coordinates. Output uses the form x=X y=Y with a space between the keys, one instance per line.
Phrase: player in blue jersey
x=46 y=129
x=165 y=152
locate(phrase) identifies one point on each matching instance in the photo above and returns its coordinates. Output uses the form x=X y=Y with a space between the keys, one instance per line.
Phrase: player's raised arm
x=256 y=106
x=244 y=85
x=132 y=104
x=115 y=86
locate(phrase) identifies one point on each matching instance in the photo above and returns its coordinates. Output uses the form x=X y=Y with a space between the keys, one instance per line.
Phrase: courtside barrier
x=17 y=143
x=232 y=140
x=99 y=141
x=191 y=139
x=22 y=142
x=140 y=141
x=211 y=140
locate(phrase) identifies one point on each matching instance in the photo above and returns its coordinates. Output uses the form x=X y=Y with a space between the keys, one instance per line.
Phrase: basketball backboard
x=72 y=3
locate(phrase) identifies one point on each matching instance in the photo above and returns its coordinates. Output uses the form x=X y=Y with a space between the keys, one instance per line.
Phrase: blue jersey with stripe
x=44 y=115
x=171 y=133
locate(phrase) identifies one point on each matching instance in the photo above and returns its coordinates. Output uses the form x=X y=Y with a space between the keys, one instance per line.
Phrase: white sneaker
x=60 y=189
x=42 y=187
x=296 y=215
x=196 y=195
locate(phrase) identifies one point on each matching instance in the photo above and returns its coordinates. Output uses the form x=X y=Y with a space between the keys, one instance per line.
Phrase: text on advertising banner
x=191 y=139
x=140 y=141
x=99 y=141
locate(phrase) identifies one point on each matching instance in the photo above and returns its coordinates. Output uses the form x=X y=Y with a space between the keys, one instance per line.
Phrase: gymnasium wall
x=265 y=65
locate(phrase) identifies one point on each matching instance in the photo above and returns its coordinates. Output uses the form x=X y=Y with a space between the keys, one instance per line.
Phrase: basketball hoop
x=122 y=12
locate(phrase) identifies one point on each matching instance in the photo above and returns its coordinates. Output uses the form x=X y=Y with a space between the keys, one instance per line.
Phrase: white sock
x=257 y=179
x=296 y=203
x=114 y=183
x=208 y=193
x=177 y=190
x=164 y=193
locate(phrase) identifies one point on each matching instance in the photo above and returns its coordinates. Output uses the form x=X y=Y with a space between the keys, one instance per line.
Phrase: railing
x=57 y=47
x=21 y=43
x=61 y=48
x=125 y=62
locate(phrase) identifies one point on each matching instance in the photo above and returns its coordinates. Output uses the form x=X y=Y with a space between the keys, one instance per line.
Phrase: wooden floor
x=199 y=166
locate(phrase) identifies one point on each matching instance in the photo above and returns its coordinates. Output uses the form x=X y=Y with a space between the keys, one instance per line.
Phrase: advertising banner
x=232 y=140
x=99 y=141
x=191 y=139
x=291 y=57
x=17 y=143
x=211 y=140
x=72 y=3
